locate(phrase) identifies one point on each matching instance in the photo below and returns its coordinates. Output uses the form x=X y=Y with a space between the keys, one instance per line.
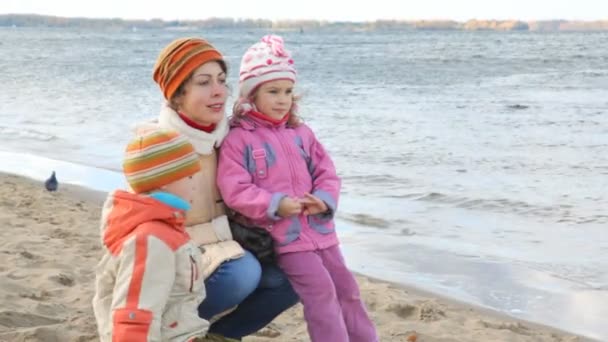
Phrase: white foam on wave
x=25 y=134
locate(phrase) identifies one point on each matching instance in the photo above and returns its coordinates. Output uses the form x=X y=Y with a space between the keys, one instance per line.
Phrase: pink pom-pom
x=276 y=45
x=269 y=61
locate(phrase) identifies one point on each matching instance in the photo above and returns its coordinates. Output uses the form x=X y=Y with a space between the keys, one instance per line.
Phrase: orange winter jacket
x=149 y=282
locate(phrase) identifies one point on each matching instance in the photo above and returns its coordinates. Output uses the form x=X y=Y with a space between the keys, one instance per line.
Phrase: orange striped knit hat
x=157 y=158
x=179 y=59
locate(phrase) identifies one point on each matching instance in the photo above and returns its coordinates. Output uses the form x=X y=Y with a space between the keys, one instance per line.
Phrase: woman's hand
x=289 y=207
x=313 y=205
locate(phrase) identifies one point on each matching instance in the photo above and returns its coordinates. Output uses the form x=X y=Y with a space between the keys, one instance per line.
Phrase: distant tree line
x=32 y=20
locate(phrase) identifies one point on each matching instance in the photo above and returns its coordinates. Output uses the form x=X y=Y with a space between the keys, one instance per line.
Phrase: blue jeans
x=262 y=293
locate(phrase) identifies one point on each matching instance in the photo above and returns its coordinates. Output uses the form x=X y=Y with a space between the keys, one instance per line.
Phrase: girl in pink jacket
x=275 y=173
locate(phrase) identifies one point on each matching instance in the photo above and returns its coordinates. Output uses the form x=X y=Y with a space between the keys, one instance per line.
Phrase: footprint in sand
x=403 y=310
x=13 y=319
x=17 y=224
x=54 y=221
x=427 y=311
x=63 y=279
x=18 y=274
x=27 y=255
x=37 y=295
x=515 y=327
x=48 y=333
x=430 y=312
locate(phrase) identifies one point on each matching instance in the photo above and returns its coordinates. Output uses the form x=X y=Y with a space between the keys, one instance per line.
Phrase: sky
x=333 y=10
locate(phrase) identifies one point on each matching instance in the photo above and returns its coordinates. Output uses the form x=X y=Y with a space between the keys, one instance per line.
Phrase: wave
x=366 y=220
x=24 y=133
x=561 y=213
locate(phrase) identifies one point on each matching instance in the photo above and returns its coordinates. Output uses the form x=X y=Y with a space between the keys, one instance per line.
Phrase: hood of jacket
x=123 y=212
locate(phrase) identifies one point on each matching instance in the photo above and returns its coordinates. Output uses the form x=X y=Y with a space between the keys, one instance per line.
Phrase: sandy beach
x=50 y=245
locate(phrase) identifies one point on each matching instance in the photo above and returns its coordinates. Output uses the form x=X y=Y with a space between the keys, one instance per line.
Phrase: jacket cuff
x=329 y=201
x=273 y=207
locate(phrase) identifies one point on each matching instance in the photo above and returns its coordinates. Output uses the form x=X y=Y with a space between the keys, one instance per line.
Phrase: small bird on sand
x=51 y=184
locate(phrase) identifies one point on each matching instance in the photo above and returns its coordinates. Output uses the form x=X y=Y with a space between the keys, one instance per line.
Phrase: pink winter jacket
x=261 y=163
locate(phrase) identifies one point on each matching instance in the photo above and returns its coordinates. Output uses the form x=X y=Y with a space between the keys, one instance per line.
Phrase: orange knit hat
x=180 y=58
x=158 y=157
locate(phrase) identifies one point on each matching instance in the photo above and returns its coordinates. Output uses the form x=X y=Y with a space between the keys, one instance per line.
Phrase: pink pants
x=332 y=303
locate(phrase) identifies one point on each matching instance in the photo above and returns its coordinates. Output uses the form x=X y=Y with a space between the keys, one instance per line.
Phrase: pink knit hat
x=263 y=62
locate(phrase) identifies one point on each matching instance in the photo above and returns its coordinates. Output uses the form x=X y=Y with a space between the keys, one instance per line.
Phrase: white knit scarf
x=202 y=141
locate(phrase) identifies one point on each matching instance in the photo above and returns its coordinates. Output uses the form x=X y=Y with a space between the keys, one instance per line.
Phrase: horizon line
x=298 y=20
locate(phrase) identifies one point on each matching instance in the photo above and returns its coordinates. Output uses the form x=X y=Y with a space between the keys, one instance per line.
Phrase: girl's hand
x=313 y=205
x=289 y=207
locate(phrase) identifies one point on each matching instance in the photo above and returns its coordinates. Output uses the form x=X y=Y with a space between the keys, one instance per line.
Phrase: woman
x=191 y=74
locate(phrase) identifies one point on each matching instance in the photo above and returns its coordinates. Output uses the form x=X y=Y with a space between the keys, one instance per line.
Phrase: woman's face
x=204 y=95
